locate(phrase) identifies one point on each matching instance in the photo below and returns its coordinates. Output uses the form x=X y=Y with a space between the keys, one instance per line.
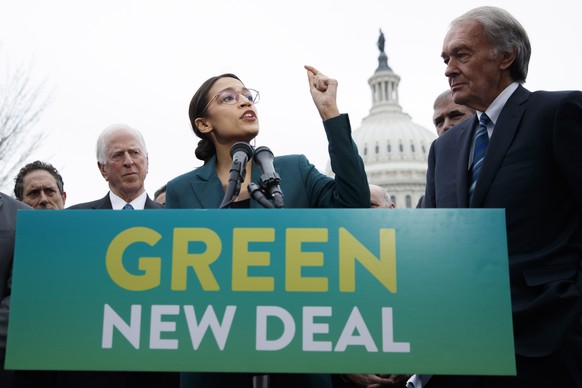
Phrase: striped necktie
x=127 y=206
x=481 y=142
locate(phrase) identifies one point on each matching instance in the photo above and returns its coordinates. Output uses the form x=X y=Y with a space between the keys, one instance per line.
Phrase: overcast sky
x=139 y=62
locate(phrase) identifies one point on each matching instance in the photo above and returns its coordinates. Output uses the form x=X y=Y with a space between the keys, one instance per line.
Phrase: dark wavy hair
x=33 y=166
x=198 y=107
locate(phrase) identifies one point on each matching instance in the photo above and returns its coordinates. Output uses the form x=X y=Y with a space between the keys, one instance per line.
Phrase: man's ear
x=203 y=125
x=507 y=59
x=102 y=170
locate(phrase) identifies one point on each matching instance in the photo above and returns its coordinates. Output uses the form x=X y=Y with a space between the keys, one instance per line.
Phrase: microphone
x=240 y=152
x=270 y=179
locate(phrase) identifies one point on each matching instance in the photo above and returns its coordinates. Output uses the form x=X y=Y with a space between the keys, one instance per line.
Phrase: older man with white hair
x=122 y=159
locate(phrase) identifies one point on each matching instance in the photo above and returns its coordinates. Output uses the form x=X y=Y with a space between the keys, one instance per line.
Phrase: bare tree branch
x=22 y=103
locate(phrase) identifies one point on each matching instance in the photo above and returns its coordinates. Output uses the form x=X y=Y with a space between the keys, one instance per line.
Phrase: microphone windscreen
x=263 y=156
x=241 y=146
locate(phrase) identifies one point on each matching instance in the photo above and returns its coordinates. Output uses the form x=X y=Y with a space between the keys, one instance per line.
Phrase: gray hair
x=442 y=98
x=387 y=196
x=505 y=34
x=385 y=193
x=102 y=150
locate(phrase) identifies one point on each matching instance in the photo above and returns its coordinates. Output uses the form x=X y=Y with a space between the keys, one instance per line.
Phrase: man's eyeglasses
x=230 y=96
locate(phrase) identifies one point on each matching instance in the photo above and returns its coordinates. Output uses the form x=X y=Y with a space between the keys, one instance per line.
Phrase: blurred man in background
x=39 y=185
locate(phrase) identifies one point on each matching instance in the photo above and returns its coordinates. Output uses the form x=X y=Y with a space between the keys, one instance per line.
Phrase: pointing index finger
x=312 y=70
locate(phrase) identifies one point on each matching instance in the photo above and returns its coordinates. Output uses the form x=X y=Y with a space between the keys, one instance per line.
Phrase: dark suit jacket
x=532 y=169
x=303 y=186
x=105 y=204
x=8 y=208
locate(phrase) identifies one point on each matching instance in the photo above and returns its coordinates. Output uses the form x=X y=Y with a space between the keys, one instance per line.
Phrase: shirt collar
x=494 y=110
x=117 y=203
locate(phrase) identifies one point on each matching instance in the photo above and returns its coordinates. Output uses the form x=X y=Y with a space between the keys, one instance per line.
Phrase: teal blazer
x=303 y=186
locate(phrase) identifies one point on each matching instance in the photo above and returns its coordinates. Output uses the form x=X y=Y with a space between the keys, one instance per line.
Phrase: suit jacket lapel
x=104 y=203
x=150 y=204
x=207 y=189
x=465 y=142
x=502 y=138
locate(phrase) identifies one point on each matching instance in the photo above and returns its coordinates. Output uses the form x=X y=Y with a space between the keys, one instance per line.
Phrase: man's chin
x=459 y=97
x=134 y=190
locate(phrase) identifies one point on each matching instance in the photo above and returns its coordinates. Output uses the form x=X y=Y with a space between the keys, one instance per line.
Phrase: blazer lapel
x=465 y=142
x=502 y=138
x=207 y=188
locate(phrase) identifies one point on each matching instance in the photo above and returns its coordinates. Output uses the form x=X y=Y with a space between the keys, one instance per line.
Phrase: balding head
x=447 y=114
x=379 y=197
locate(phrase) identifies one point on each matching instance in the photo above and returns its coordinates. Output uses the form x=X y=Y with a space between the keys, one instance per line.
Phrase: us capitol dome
x=393 y=147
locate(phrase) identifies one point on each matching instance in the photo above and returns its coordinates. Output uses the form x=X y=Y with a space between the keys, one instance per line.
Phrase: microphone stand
x=270 y=184
x=261 y=381
x=240 y=153
x=257 y=194
x=268 y=187
x=233 y=187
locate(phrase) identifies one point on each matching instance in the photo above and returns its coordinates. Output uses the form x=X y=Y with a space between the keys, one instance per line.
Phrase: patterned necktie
x=127 y=206
x=481 y=142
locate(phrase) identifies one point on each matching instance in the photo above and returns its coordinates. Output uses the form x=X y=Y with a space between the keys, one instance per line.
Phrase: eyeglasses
x=230 y=96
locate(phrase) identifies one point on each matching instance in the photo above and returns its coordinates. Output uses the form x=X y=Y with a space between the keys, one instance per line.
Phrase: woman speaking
x=224 y=116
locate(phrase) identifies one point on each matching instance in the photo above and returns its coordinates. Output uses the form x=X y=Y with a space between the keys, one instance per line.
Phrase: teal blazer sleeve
x=303 y=186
